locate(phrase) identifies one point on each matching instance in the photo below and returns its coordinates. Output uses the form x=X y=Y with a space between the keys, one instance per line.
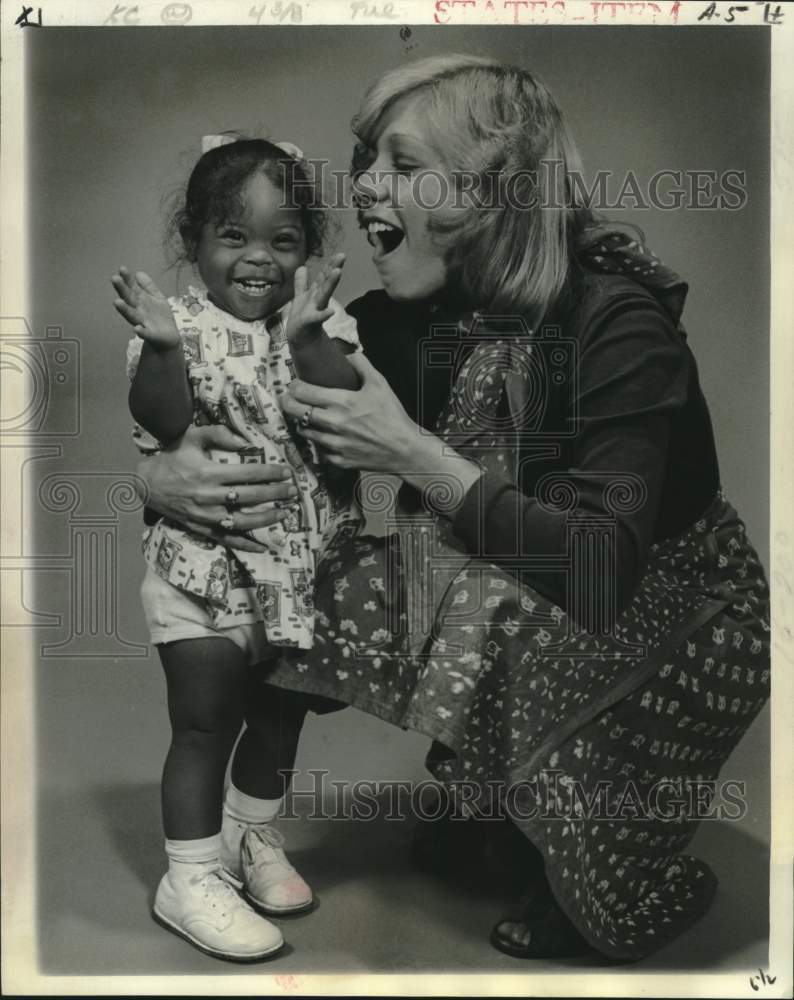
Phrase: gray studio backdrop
x=115 y=120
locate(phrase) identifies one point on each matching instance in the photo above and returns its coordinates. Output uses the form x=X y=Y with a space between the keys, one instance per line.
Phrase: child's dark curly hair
x=214 y=189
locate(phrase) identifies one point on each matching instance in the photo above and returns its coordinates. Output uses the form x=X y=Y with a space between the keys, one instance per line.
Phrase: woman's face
x=397 y=195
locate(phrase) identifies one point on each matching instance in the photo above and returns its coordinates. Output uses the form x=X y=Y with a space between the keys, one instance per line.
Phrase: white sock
x=247 y=809
x=241 y=811
x=188 y=858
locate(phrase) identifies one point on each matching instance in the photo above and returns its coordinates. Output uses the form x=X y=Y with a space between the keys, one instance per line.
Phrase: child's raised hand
x=310 y=308
x=145 y=308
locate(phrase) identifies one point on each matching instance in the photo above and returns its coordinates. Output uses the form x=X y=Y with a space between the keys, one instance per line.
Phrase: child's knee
x=206 y=735
x=219 y=719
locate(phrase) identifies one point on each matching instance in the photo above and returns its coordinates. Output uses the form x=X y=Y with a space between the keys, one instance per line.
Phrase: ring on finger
x=306 y=417
x=227 y=523
x=232 y=499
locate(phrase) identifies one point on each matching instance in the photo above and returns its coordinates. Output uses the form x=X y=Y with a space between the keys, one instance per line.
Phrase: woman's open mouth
x=254 y=288
x=384 y=237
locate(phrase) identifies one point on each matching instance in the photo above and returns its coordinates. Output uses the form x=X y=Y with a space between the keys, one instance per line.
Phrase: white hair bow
x=209 y=142
x=291 y=149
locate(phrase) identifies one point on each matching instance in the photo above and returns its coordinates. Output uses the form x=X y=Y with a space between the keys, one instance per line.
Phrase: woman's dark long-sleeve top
x=630 y=403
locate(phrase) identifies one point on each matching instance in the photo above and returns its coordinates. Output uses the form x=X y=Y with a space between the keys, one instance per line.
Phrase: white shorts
x=173 y=614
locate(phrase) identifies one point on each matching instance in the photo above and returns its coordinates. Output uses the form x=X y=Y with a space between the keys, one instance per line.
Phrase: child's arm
x=319 y=359
x=160 y=399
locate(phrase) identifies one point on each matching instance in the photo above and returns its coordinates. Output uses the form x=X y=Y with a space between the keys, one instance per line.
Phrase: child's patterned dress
x=237 y=371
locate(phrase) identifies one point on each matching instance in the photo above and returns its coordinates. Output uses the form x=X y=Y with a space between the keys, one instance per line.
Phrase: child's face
x=404 y=186
x=249 y=264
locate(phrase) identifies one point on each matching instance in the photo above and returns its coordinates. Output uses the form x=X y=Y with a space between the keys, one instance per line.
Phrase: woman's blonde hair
x=500 y=125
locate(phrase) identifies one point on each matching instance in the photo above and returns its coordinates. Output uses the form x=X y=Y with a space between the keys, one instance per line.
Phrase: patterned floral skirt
x=604 y=749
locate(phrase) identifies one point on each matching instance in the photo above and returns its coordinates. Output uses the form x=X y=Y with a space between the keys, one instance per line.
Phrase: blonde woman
x=570 y=607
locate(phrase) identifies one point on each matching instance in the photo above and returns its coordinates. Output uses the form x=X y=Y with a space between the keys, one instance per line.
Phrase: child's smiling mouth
x=255 y=288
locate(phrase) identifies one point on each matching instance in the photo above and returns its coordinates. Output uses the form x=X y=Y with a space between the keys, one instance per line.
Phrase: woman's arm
x=160 y=399
x=632 y=375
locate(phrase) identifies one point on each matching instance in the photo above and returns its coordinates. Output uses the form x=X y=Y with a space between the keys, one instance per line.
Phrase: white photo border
x=19 y=968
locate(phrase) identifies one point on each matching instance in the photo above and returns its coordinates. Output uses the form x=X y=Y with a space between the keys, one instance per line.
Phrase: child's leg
x=252 y=849
x=206 y=697
x=273 y=722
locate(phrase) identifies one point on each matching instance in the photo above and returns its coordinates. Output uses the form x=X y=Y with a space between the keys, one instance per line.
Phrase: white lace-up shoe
x=207 y=912
x=270 y=882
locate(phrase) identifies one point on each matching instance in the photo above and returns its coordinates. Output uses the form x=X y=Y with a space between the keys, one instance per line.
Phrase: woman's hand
x=369 y=430
x=366 y=429
x=188 y=487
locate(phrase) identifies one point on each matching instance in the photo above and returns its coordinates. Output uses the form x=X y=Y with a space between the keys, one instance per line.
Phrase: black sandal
x=551 y=934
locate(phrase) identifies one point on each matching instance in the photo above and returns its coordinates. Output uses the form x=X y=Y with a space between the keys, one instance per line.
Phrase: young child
x=249 y=221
